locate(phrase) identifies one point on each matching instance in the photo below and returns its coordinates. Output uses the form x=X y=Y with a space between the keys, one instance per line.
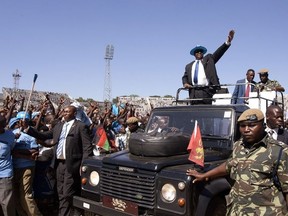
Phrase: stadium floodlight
x=107 y=82
x=109 y=52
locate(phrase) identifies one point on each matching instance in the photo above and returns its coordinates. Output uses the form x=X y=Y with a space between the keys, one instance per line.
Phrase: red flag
x=196 y=146
x=102 y=139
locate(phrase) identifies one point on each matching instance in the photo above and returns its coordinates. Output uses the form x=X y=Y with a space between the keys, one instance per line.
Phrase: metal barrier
x=260 y=100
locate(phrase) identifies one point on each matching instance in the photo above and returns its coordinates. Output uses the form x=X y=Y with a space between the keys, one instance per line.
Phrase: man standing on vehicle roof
x=200 y=76
x=243 y=88
x=254 y=158
x=265 y=84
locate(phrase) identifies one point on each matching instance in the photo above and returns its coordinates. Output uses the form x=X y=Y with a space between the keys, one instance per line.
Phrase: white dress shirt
x=272 y=132
x=69 y=125
x=202 y=80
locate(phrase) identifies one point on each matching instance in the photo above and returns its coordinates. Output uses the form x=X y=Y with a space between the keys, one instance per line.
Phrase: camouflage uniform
x=254 y=192
x=268 y=86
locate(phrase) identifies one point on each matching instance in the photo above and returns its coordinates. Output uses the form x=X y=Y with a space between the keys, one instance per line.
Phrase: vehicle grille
x=135 y=187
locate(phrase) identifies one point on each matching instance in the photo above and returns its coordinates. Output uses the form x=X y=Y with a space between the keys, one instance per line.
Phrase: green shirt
x=270 y=85
x=254 y=192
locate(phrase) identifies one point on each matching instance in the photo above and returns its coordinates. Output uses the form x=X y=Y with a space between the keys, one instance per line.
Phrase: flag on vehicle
x=101 y=139
x=196 y=146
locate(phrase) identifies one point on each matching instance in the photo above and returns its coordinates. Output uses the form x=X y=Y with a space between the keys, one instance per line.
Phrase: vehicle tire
x=217 y=207
x=158 y=146
x=86 y=213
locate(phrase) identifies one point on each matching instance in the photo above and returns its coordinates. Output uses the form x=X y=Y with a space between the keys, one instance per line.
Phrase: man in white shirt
x=275 y=123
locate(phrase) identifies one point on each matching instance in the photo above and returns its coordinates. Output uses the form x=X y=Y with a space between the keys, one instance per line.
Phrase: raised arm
x=230 y=36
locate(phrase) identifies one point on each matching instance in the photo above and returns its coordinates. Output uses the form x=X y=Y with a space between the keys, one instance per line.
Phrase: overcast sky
x=64 y=42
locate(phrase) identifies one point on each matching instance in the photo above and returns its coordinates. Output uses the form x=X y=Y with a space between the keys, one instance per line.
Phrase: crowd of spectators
x=114 y=121
x=117 y=121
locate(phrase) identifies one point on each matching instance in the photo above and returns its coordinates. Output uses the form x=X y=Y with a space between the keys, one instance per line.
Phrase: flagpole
x=29 y=98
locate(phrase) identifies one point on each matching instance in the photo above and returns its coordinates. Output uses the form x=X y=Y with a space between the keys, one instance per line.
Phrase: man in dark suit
x=243 y=88
x=275 y=123
x=200 y=76
x=72 y=144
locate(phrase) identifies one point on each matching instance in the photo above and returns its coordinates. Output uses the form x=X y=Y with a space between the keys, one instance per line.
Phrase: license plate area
x=120 y=205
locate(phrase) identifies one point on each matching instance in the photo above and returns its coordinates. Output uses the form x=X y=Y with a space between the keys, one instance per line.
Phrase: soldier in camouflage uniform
x=251 y=165
x=266 y=84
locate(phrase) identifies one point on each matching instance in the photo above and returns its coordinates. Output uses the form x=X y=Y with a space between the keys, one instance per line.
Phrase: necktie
x=247 y=90
x=195 y=79
x=62 y=139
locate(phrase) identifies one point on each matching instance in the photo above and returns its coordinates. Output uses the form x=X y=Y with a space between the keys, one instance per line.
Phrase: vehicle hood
x=126 y=159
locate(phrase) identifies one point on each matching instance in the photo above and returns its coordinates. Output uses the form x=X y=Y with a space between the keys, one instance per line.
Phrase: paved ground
x=48 y=208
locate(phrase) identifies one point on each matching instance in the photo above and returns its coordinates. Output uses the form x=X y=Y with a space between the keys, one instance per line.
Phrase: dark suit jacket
x=78 y=143
x=208 y=62
x=239 y=91
x=283 y=135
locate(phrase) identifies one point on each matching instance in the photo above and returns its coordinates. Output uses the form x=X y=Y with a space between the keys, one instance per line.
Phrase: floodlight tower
x=16 y=76
x=107 y=82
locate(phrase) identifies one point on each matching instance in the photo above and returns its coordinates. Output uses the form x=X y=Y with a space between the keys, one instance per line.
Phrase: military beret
x=263 y=71
x=251 y=115
x=132 y=120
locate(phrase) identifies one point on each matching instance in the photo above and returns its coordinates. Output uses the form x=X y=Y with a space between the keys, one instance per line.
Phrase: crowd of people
x=42 y=148
x=47 y=143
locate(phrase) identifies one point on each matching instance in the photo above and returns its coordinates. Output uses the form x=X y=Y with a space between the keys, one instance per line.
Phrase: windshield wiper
x=211 y=135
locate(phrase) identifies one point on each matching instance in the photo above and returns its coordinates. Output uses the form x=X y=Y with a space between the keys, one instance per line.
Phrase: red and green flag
x=102 y=139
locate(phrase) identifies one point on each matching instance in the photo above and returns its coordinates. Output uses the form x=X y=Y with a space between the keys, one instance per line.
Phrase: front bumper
x=97 y=207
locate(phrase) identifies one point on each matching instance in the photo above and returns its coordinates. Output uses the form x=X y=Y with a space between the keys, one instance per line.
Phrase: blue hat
x=198 y=47
x=12 y=122
x=21 y=114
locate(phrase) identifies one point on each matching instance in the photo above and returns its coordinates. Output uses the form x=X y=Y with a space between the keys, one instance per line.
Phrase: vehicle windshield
x=212 y=122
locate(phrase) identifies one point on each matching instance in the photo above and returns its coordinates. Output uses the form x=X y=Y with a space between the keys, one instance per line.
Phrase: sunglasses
x=198 y=51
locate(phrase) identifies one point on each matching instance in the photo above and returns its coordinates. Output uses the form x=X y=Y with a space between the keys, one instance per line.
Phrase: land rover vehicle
x=150 y=178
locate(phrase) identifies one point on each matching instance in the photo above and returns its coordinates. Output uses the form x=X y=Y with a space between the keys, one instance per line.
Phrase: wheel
x=217 y=207
x=86 y=213
x=168 y=145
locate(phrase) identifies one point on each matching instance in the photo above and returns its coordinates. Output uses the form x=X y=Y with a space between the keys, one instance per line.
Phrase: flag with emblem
x=196 y=146
x=101 y=139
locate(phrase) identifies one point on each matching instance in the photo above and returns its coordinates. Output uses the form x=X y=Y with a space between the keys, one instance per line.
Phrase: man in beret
x=266 y=84
x=200 y=76
x=132 y=127
x=251 y=165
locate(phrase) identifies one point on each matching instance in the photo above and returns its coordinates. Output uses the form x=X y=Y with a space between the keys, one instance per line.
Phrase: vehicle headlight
x=84 y=169
x=168 y=192
x=181 y=186
x=94 y=178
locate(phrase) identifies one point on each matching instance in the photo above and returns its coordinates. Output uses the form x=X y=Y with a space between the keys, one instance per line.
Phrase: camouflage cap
x=251 y=115
x=132 y=120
